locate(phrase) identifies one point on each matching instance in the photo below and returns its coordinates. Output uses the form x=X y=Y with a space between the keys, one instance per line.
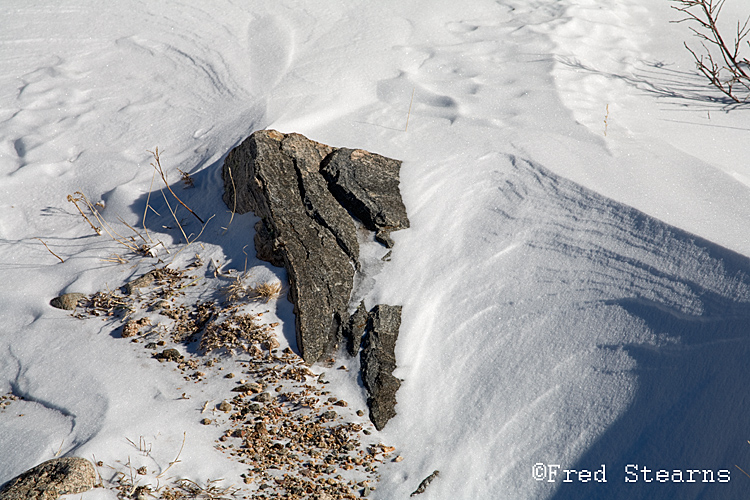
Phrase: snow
x=575 y=284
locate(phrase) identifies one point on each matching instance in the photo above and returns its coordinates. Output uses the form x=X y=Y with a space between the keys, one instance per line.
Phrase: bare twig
x=74 y=200
x=234 y=195
x=728 y=71
x=176 y=459
x=127 y=242
x=740 y=468
x=50 y=251
x=409 y=113
x=159 y=169
x=148 y=199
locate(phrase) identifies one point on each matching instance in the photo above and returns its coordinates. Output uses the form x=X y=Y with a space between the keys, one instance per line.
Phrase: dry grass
x=137 y=243
x=266 y=291
x=235 y=290
x=129 y=242
x=240 y=332
x=186 y=179
x=157 y=166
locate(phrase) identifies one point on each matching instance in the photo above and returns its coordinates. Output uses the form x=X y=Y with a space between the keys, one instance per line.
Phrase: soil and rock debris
x=297 y=439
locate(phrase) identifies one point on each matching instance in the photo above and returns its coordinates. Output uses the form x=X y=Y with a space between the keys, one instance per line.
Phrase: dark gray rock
x=320 y=205
x=378 y=362
x=266 y=246
x=366 y=184
x=355 y=329
x=67 y=301
x=51 y=479
x=274 y=176
x=303 y=226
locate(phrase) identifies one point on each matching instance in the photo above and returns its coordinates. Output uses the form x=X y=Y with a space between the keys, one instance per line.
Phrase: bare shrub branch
x=722 y=63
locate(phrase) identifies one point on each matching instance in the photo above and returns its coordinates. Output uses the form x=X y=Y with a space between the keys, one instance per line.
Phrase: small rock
x=263 y=397
x=133 y=327
x=67 y=301
x=251 y=387
x=229 y=375
x=423 y=485
x=360 y=413
x=141 y=282
x=169 y=355
x=51 y=479
x=206 y=421
x=329 y=415
x=161 y=304
x=225 y=406
x=398 y=459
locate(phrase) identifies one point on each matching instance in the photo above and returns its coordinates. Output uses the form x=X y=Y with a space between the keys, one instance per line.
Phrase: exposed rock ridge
x=305 y=193
x=308 y=195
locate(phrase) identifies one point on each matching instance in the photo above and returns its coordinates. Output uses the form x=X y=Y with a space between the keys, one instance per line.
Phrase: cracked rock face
x=379 y=361
x=366 y=184
x=51 y=479
x=306 y=194
x=309 y=197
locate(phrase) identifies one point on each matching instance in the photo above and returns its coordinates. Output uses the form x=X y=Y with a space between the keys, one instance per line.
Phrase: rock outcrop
x=51 y=479
x=311 y=198
x=307 y=195
x=379 y=361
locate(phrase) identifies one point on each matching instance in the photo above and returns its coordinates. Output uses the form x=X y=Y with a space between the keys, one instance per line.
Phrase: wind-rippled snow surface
x=573 y=330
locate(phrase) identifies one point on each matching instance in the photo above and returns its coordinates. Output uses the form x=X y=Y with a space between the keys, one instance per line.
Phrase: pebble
x=169 y=355
x=251 y=387
x=225 y=406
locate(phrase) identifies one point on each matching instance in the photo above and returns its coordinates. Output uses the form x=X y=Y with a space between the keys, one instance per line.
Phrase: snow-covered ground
x=575 y=284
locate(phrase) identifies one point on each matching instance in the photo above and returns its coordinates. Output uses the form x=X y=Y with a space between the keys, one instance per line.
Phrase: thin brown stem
x=50 y=251
x=159 y=169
